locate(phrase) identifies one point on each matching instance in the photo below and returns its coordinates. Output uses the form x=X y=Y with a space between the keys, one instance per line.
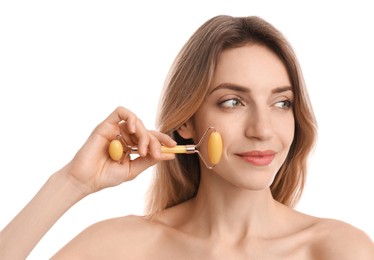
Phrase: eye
x=231 y=103
x=284 y=104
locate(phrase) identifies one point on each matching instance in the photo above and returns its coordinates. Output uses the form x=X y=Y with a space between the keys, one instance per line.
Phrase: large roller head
x=118 y=147
x=215 y=146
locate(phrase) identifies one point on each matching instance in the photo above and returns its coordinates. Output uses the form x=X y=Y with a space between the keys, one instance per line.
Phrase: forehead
x=251 y=65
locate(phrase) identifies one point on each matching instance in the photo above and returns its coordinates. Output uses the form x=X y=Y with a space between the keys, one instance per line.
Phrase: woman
x=240 y=76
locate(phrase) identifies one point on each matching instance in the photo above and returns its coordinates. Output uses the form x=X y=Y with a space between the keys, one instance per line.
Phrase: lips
x=258 y=158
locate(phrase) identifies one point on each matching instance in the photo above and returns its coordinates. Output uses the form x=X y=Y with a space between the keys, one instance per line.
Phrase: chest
x=179 y=248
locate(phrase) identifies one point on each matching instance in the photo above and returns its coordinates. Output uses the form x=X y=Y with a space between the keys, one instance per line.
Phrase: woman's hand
x=93 y=169
x=90 y=170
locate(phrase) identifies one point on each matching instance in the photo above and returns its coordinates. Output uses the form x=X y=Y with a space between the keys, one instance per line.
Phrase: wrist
x=71 y=189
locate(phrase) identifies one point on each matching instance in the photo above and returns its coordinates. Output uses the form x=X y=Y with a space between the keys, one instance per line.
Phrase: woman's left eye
x=284 y=104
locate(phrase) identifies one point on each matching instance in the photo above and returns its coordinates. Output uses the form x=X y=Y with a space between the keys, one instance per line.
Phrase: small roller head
x=215 y=145
x=116 y=150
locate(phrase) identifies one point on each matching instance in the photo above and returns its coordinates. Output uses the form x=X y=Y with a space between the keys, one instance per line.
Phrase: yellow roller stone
x=215 y=147
x=115 y=150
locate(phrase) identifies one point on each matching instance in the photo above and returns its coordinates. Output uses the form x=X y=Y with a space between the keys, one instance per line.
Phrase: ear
x=186 y=130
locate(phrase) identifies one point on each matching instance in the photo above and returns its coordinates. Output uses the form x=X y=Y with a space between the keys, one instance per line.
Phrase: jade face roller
x=119 y=148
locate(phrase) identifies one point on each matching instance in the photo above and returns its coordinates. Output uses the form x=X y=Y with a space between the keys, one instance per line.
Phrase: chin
x=255 y=185
x=255 y=181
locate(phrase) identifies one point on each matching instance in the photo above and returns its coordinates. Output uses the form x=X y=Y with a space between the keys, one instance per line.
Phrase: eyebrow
x=242 y=89
x=231 y=87
x=281 y=89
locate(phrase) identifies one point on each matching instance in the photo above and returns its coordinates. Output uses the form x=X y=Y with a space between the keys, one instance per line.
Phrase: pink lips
x=258 y=158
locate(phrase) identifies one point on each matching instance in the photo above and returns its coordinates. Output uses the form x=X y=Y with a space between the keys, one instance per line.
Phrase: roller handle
x=116 y=149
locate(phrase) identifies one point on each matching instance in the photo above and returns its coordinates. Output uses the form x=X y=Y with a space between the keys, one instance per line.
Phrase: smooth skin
x=91 y=170
x=234 y=215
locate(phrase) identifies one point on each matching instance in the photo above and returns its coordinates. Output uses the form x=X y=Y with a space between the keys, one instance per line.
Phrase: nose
x=259 y=124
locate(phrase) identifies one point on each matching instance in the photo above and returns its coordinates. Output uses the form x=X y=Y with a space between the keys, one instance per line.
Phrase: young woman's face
x=250 y=104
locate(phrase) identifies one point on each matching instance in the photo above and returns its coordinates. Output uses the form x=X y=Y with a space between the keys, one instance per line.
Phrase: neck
x=223 y=208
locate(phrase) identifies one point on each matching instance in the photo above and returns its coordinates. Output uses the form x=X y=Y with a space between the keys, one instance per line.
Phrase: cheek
x=286 y=131
x=202 y=121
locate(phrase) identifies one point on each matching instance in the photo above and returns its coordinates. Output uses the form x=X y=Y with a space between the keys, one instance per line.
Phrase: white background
x=65 y=65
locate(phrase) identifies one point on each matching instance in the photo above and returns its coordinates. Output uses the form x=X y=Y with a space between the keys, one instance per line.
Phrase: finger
x=131 y=123
x=120 y=115
x=158 y=139
x=143 y=138
x=128 y=137
x=109 y=128
x=164 y=139
x=154 y=147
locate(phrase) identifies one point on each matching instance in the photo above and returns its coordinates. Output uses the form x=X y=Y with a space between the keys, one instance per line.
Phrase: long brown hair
x=185 y=89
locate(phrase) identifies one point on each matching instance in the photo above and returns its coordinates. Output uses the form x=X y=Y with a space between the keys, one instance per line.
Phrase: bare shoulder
x=112 y=238
x=335 y=239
